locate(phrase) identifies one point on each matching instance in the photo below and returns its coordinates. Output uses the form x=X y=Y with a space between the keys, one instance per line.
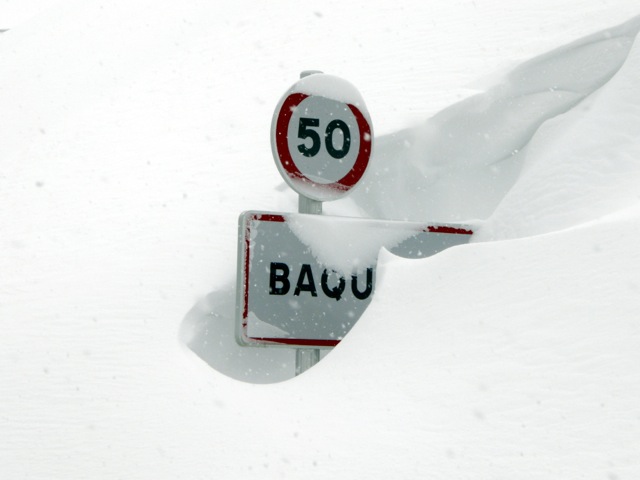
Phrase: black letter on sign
x=309 y=286
x=346 y=142
x=304 y=132
x=335 y=292
x=274 y=278
x=354 y=285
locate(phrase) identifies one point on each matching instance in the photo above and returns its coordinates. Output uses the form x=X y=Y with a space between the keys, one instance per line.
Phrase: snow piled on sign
x=131 y=140
x=330 y=86
x=346 y=246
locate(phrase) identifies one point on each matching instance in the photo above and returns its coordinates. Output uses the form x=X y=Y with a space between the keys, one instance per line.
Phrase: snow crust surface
x=134 y=134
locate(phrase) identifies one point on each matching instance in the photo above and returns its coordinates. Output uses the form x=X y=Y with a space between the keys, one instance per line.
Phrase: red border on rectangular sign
x=262 y=217
x=297 y=342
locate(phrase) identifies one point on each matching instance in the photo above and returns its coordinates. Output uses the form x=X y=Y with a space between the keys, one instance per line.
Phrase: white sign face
x=291 y=291
x=321 y=137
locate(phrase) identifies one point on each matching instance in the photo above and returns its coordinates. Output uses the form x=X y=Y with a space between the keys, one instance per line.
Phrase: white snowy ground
x=132 y=136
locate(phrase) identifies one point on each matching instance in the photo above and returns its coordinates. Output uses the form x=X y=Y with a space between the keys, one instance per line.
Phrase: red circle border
x=284 y=155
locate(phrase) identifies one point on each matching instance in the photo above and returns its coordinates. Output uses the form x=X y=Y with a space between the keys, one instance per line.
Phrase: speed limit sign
x=321 y=137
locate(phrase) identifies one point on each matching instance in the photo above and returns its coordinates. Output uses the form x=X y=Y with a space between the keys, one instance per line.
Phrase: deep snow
x=132 y=137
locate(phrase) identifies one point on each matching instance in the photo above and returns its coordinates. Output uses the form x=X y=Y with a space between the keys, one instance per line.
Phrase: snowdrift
x=504 y=353
x=548 y=148
x=462 y=162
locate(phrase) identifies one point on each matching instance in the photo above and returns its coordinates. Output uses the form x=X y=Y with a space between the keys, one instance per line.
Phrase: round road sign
x=321 y=137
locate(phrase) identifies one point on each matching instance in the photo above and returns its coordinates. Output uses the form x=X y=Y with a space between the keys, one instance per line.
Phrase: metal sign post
x=307 y=357
x=318 y=173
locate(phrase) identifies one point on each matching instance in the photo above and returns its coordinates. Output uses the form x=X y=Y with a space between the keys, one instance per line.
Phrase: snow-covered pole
x=306 y=204
x=307 y=357
x=321 y=140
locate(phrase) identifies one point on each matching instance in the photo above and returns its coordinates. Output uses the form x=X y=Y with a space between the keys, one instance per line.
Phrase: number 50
x=305 y=130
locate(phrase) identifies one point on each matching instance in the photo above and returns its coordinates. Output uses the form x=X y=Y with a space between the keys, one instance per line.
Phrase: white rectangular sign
x=304 y=280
